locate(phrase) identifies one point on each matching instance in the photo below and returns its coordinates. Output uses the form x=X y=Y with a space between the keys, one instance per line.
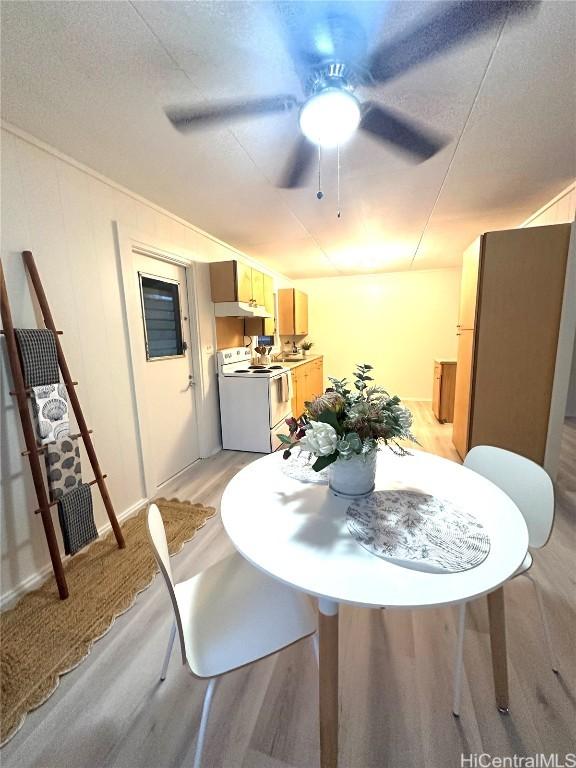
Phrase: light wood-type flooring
x=396 y=672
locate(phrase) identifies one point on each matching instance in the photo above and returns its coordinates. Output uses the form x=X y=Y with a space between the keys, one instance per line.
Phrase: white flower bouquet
x=344 y=423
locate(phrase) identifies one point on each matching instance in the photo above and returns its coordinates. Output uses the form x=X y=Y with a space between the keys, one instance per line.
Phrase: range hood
x=239 y=309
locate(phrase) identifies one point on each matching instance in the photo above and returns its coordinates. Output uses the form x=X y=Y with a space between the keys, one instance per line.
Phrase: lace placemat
x=299 y=467
x=418 y=531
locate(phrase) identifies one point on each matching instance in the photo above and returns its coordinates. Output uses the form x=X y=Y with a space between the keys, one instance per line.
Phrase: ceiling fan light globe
x=330 y=118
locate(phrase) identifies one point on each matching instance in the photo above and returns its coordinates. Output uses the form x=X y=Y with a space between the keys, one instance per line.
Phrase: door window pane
x=161 y=311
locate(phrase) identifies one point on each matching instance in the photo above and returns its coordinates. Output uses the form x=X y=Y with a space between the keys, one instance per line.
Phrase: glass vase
x=353 y=478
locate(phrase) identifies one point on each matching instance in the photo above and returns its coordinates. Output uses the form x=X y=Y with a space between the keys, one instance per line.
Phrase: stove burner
x=262 y=370
x=241 y=370
x=275 y=367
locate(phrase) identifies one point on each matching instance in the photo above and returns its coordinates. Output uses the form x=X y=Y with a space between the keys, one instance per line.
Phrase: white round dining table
x=297 y=532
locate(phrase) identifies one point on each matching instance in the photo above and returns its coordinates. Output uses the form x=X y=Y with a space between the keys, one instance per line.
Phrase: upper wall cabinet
x=236 y=281
x=292 y=312
x=269 y=294
x=263 y=326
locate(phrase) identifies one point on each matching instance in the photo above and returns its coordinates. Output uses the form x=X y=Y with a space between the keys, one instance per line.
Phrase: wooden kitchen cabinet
x=443 y=390
x=307 y=383
x=263 y=326
x=512 y=296
x=269 y=294
x=297 y=392
x=292 y=312
x=463 y=391
x=236 y=281
x=257 y=287
x=469 y=286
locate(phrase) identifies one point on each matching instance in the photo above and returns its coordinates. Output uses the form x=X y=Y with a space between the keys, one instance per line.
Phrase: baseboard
x=34 y=580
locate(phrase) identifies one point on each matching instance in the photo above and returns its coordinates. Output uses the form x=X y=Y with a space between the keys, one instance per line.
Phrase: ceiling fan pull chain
x=338 y=180
x=319 y=194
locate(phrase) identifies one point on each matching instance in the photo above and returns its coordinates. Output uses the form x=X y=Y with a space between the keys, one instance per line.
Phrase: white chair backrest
x=527 y=484
x=157 y=536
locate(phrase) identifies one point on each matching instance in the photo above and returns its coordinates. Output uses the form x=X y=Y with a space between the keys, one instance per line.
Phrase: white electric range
x=255 y=401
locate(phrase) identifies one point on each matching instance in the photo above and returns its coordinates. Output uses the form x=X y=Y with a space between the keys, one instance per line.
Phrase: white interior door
x=164 y=344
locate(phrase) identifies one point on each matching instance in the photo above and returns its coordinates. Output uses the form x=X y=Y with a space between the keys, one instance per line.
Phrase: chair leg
x=204 y=722
x=459 y=663
x=316 y=648
x=168 y=652
x=544 y=620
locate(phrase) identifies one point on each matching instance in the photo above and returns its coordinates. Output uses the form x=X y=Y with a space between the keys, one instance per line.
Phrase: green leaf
x=329 y=417
x=284 y=439
x=324 y=461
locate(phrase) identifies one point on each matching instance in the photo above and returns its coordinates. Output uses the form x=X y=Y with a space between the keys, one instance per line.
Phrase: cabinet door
x=316 y=378
x=223 y=281
x=462 y=394
x=269 y=294
x=307 y=382
x=298 y=393
x=469 y=285
x=258 y=287
x=436 y=390
x=447 y=389
x=300 y=313
x=520 y=307
x=286 y=312
x=243 y=282
x=294 y=393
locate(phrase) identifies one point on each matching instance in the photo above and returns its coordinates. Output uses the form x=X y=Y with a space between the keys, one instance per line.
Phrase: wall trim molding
x=35 y=579
x=566 y=191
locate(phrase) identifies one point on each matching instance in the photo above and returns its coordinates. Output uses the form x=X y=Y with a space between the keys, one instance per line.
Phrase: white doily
x=418 y=531
x=299 y=467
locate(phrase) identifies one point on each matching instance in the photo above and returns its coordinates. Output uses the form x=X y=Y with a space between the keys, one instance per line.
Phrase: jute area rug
x=43 y=637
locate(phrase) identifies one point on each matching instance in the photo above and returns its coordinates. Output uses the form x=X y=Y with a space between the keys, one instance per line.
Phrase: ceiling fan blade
x=188 y=118
x=393 y=129
x=459 y=22
x=299 y=164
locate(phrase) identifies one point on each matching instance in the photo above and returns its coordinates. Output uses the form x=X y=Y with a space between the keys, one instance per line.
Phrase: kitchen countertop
x=445 y=360
x=296 y=363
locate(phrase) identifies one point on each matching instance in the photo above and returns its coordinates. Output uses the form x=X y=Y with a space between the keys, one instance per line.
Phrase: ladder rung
x=41 y=449
x=3 y=333
x=53 y=503
x=29 y=389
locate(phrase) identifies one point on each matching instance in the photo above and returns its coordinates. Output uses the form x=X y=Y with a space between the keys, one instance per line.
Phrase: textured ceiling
x=92 y=78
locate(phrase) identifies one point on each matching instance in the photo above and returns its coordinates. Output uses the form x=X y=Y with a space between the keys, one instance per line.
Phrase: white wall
x=397 y=321
x=65 y=215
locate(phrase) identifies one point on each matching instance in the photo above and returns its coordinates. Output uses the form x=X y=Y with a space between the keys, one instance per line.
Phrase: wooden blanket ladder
x=33 y=450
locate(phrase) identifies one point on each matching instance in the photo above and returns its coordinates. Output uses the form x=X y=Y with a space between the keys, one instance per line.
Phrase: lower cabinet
x=307 y=382
x=443 y=390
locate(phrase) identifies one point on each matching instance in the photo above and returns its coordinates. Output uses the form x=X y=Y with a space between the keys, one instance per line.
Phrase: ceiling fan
x=332 y=60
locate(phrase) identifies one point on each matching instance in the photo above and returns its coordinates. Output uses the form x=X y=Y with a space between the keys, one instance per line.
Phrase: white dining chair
x=531 y=489
x=227 y=616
